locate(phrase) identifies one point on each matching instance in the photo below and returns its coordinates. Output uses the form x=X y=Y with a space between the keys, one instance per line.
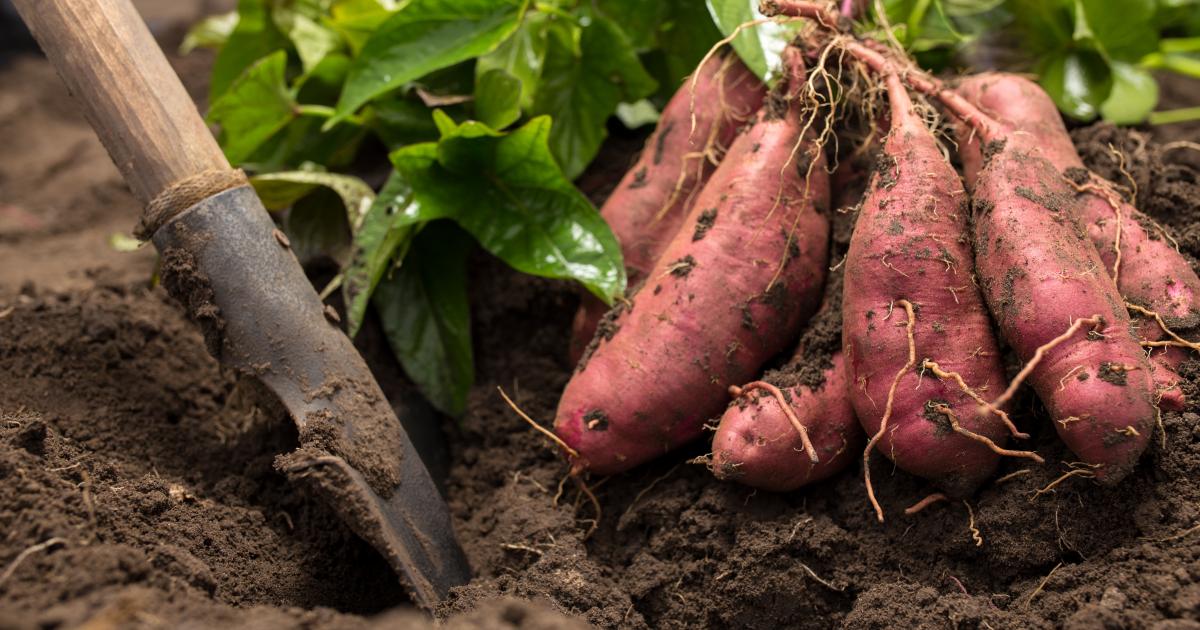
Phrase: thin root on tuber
x=774 y=391
x=887 y=409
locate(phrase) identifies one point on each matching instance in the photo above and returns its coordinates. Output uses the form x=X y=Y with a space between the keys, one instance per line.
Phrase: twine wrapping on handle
x=184 y=194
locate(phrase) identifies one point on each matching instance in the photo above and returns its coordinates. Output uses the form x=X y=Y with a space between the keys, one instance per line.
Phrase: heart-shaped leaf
x=423 y=36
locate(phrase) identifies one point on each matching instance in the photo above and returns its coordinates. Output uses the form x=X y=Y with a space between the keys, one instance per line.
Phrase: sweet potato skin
x=709 y=315
x=1152 y=273
x=910 y=244
x=649 y=204
x=1040 y=272
x=756 y=445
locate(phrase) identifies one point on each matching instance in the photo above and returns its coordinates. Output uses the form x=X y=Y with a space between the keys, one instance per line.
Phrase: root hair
x=887 y=409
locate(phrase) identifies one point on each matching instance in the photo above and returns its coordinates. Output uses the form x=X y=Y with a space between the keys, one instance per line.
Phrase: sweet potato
x=714 y=308
x=1054 y=304
x=909 y=300
x=1151 y=273
x=649 y=204
x=756 y=442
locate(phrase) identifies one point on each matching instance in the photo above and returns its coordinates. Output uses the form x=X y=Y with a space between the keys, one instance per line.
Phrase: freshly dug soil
x=136 y=487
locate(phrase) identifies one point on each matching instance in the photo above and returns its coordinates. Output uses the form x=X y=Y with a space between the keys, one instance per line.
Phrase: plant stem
x=326 y=112
x=553 y=10
x=914 y=20
x=1172 y=116
x=1179 y=44
x=320 y=111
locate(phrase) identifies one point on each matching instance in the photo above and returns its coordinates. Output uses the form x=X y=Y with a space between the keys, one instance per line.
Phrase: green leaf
x=1078 y=81
x=582 y=83
x=386 y=232
x=1043 y=26
x=521 y=56
x=517 y=204
x=498 y=98
x=211 y=32
x=761 y=46
x=301 y=141
x=426 y=35
x=311 y=39
x=254 y=37
x=728 y=15
x=426 y=316
x=1122 y=30
x=967 y=8
x=640 y=20
x=915 y=17
x=446 y=125
x=323 y=83
x=685 y=36
x=400 y=121
x=280 y=190
x=254 y=108
x=938 y=30
x=671 y=36
x=1134 y=94
x=356 y=20
x=923 y=26
x=639 y=114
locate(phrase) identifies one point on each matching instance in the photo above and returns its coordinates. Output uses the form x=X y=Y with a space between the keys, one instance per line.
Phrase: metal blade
x=234 y=271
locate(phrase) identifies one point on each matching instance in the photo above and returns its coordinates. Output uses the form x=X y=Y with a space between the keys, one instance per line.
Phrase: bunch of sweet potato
x=725 y=223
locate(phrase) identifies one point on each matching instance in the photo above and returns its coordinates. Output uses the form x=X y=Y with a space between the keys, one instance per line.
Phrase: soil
x=136 y=485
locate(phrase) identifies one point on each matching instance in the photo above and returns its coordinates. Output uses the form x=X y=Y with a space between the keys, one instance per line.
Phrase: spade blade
x=234 y=271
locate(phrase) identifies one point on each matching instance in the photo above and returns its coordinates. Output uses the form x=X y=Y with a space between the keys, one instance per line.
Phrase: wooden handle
x=130 y=95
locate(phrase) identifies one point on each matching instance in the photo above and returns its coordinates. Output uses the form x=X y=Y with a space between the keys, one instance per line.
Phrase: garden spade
x=223 y=259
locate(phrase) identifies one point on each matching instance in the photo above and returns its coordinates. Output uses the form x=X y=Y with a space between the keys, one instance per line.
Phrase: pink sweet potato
x=1042 y=278
x=757 y=445
x=650 y=203
x=910 y=258
x=714 y=308
x=1152 y=274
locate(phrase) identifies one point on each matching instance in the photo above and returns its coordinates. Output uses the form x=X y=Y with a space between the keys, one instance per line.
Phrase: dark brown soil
x=124 y=446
